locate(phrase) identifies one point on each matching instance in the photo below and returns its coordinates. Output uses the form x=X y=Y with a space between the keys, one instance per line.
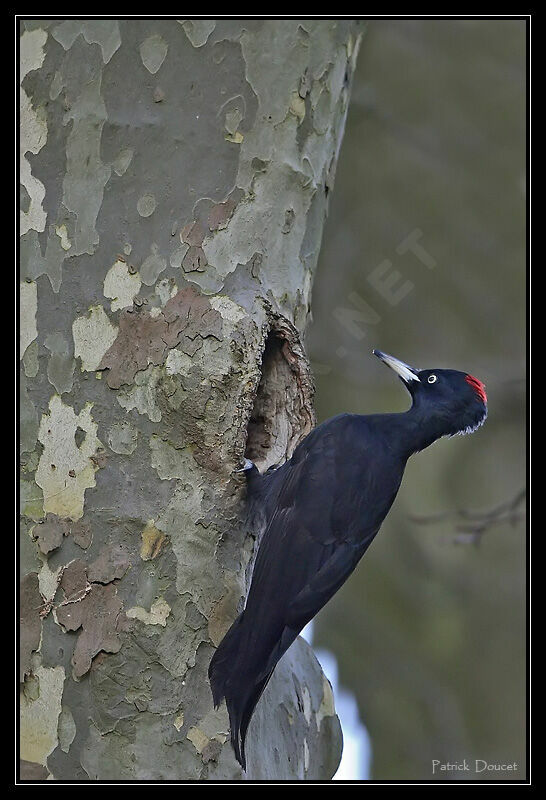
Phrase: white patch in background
x=357 y=749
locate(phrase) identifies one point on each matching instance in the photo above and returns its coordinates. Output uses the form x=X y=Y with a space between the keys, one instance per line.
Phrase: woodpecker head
x=454 y=402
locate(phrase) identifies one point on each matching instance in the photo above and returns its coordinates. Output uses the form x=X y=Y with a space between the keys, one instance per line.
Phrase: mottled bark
x=174 y=182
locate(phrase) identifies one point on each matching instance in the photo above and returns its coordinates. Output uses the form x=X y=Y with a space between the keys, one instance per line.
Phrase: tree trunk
x=174 y=182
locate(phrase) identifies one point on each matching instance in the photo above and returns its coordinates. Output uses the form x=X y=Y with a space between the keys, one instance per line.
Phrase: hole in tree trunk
x=283 y=411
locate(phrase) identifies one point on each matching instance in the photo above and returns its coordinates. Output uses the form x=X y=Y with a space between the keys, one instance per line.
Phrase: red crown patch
x=478 y=387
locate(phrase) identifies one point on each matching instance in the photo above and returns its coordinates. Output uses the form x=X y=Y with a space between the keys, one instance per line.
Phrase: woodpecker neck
x=425 y=423
x=408 y=432
x=422 y=430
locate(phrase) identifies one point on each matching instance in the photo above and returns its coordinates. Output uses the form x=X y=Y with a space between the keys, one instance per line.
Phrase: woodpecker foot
x=248 y=464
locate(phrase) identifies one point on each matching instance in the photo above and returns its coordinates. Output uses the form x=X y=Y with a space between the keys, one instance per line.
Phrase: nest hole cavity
x=282 y=414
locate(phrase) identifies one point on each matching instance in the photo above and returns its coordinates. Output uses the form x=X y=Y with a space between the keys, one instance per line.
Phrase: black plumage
x=322 y=509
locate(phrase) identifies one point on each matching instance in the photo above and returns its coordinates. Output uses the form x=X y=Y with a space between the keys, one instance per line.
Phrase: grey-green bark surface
x=174 y=182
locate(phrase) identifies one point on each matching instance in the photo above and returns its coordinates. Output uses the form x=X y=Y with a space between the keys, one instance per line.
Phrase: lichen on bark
x=166 y=273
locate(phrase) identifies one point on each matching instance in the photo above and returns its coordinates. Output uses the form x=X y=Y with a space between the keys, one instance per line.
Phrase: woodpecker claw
x=248 y=464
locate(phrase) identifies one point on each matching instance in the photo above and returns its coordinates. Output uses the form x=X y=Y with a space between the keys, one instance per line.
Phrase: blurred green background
x=429 y=632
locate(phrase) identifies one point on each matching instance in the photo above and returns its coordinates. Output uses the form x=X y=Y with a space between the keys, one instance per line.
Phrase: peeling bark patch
x=141 y=341
x=221 y=213
x=123 y=438
x=234 y=113
x=74 y=581
x=24 y=199
x=153 y=52
x=209 y=735
x=327 y=708
x=297 y=106
x=192 y=234
x=283 y=412
x=49 y=583
x=233 y=117
x=236 y=138
x=198 y=30
x=146 y=205
x=93 y=335
x=50 y=533
x=79 y=436
x=64 y=493
x=121 y=286
x=186 y=319
x=62 y=233
x=103 y=32
x=66 y=729
x=91 y=606
x=32 y=53
x=153 y=266
x=30 y=360
x=142 y=396
x=29 y=621
x=195 y=260
x=196 y=311
x=39 y=716
x=177 y=362
x=179 y=720
x=112 y=564
x=123 y=161
x=152 y=542
x=157 y=615
x=82 y=534
x=99 y=615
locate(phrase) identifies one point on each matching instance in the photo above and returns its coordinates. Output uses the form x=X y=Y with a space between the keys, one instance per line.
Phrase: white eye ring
x=432 y=379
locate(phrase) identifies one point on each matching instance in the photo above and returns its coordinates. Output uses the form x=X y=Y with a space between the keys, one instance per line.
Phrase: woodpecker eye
x=432 y=378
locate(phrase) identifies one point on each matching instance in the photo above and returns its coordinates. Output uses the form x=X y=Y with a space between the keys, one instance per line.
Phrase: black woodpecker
x=321 y=510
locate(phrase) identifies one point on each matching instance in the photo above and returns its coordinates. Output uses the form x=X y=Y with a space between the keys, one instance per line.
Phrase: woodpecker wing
x=316 y=535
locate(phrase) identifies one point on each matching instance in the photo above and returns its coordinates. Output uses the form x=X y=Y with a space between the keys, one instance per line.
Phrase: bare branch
x=471 y=525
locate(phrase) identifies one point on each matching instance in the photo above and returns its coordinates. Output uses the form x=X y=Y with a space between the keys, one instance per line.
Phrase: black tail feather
x=241 y=702
x=230 y=678
x=246 y=716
